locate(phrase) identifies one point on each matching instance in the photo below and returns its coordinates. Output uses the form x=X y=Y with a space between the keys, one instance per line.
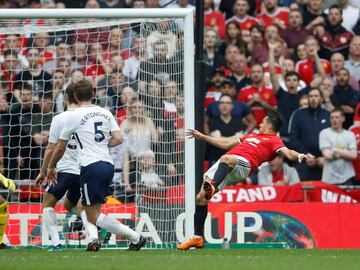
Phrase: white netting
x=136 y=67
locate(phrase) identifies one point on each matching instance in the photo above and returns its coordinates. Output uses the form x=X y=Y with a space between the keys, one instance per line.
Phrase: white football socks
x=112 y=225
x=50 y=222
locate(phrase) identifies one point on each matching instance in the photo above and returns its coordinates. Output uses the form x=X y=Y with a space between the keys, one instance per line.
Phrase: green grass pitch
x=264 y=259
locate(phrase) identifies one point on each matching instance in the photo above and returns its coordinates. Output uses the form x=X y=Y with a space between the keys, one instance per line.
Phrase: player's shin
x=50 y=222
x=114 y=226
x=201 y=212
x=220 y=174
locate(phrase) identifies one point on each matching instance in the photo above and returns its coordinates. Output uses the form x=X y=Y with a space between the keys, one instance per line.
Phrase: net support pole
x=190 y=165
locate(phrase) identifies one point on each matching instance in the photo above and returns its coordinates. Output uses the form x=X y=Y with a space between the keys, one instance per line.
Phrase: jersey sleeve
x=277 y=144
x=55 y=130
x=69 y=128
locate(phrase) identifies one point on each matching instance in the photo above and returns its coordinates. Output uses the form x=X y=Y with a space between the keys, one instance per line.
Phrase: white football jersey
x=92 y=127
x=69 y=162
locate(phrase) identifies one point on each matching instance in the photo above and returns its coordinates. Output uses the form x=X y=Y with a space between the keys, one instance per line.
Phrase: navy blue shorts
x=67 y=183
x=95 y=180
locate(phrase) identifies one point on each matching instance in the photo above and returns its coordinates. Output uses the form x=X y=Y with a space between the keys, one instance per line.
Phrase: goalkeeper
x=9 y=185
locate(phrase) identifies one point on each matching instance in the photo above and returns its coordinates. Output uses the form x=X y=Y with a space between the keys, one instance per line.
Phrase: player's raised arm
x=223 y=143
x=293 y=155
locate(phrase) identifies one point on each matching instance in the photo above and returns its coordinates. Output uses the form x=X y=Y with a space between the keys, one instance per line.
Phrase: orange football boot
x=196 y=242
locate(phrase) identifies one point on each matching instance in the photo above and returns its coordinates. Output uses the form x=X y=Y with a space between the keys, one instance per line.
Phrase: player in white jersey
x=95 y=130
x=68 y=172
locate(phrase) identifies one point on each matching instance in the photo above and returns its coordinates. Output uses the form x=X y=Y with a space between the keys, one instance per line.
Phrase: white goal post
x=188 y=75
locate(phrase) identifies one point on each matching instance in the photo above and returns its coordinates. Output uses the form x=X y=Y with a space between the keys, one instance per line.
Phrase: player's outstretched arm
x=223 y=143
x=293 y=155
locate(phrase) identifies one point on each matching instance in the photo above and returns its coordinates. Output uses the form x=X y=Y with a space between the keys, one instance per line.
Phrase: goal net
x=136 y=66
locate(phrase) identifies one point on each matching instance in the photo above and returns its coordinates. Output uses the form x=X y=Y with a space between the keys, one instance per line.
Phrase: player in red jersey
x=245 y=156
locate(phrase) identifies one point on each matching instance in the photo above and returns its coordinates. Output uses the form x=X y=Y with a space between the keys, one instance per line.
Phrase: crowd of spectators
x=299 y=57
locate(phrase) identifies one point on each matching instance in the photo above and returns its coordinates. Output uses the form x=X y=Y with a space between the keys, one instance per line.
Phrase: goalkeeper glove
x=7 y=183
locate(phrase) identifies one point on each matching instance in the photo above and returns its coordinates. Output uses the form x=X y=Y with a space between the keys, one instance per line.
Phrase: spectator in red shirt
x=41 y=41
x=99 y=67
x=259 y=98
x=277 y=173
x=214 y=19
x=305 y=68
x=214 y=92
x=230 y=54
x=355 y=128
x=114 y=46
x=241 y=9
x=296 y=33
x=273 y=14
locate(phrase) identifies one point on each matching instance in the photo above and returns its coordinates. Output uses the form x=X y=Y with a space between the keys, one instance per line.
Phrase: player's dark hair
x=275 y=120
x=70 y=94
x=83 y=90
x=292 y=73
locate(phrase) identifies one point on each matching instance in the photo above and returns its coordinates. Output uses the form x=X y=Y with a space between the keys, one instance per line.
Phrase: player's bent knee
x=229 y=160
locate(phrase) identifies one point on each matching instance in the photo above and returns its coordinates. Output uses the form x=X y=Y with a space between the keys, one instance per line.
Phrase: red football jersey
x=211 y=96
x=267 y=68
x=215 y=20
x=94 y=70
x=356 y=162
x=305 y=68
x=266 y=94
x=257 y=148
x=282 y=14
